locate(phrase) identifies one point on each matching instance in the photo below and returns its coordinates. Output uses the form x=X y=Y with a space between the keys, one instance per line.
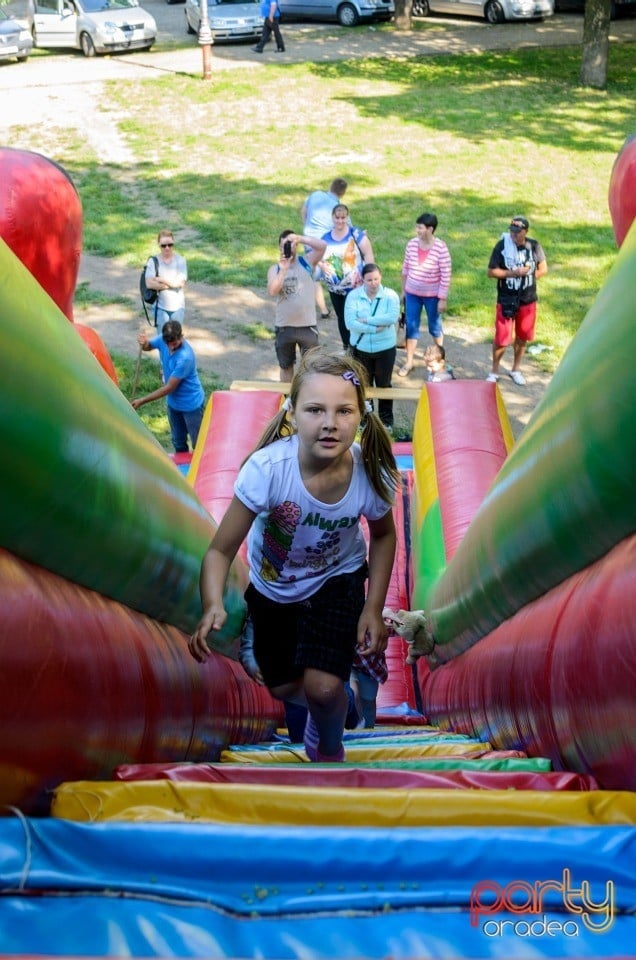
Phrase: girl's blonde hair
x=377 y=453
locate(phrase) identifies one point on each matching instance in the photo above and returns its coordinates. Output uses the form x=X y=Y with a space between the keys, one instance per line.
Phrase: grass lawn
x=474 y=138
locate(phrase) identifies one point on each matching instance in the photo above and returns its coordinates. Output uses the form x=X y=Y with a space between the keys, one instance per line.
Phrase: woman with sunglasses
x=167 y=274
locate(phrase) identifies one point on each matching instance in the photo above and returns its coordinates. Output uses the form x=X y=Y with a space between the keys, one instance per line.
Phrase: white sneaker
x=492 y=377
x=517 y=377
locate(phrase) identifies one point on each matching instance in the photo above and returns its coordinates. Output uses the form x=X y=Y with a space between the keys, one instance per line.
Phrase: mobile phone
x=287 y=249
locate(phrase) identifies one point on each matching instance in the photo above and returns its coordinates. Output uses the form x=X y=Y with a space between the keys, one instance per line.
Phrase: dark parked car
x=578 y=6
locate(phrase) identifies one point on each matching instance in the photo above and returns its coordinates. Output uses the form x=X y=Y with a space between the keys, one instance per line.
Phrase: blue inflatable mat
x=157 y=890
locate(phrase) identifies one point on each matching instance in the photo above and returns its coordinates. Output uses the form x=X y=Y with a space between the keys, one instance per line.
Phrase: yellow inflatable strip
x=426 y=492
x=254 y=804
x=360 y=753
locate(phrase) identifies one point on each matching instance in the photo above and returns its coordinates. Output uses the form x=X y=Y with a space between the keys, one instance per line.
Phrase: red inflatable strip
x=87 y=683
x=558 y=678
x=235 y=421
x=307 y=775
x=469 y=452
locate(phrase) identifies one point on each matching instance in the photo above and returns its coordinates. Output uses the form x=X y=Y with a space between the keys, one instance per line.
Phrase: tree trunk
x=596 y=26
x=403 y=9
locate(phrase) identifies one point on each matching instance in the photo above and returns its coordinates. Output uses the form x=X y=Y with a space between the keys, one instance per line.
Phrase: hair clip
x=368 y=406
x=286 y=406
x=350 y=375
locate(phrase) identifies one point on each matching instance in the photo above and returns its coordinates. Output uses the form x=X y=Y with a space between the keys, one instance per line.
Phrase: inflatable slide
x=156 y=807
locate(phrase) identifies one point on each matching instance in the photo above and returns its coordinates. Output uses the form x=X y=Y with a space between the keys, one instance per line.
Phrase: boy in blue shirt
x=181 y=385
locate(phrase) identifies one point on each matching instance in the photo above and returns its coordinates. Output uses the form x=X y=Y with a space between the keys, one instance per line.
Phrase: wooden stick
x=137 y=369
x=379 y=393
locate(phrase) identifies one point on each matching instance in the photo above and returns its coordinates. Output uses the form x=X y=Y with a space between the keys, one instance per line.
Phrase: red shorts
x=523 y=323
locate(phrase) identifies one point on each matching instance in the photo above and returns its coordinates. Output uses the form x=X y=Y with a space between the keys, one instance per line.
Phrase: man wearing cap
x=516 y=263
x=181 y=385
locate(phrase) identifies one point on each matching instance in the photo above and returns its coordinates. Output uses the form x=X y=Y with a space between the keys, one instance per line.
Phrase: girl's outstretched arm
x=215 y=567
x=372 y=630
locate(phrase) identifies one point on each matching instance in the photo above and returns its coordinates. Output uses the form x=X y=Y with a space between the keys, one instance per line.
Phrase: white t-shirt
x=296 y=542
x=174 y=272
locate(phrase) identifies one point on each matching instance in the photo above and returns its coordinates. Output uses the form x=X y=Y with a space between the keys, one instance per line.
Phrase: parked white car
x=494 y=11
x=230 y=20
x=15 y=39
x=92 y=26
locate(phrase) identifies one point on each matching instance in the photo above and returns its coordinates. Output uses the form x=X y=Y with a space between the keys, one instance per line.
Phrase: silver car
x=229 y=20
x=494 y=11
x=15 y=39
x=347 y=13
x=92 y=26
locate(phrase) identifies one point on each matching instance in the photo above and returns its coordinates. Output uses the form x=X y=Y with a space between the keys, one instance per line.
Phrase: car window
x=96 y=6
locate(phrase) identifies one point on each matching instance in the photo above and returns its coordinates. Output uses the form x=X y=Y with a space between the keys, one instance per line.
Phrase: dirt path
x=216 y=321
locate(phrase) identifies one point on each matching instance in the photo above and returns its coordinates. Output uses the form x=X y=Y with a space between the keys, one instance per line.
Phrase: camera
x=287 y=249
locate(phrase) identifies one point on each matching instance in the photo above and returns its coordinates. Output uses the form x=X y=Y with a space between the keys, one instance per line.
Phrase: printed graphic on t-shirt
x=290 y=287
x=278 y=537
x=524 y=258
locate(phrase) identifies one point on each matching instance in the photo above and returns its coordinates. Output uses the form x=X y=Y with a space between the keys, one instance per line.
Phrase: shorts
x=318 y=633
x=522 y=325
x=413 y=312
x=288 y=338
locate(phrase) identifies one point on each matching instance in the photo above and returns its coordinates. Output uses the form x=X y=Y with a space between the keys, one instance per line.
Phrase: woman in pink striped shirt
x=426 y=275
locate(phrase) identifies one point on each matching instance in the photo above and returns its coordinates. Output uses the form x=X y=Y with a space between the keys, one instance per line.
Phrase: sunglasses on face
x=167 y=245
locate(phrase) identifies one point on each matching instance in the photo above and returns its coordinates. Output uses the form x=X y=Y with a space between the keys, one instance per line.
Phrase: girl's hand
x=212 y=620
x=373 y=634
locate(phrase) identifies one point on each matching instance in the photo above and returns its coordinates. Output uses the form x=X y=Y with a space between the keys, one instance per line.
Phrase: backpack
x=148 y=295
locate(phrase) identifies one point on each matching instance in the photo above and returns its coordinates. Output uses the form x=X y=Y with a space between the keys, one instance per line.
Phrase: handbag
x=401 y=328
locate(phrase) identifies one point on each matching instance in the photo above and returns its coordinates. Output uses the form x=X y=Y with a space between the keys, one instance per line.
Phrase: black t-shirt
x=525 y=288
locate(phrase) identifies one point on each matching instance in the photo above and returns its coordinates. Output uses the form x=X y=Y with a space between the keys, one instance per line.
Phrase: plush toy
x=414 y=627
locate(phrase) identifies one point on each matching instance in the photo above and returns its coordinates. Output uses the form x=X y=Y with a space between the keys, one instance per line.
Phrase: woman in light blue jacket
x=371 y=316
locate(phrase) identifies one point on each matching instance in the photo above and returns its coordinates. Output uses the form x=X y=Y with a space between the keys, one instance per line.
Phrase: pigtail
x=379 y=461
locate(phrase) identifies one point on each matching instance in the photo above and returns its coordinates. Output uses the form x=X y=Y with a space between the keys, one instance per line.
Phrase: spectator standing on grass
x=291 y=281
x=168 y=278
x=181 y=385
x=426 y=276
x=371 y=315
x=270 y=12
x=316 y=216
x=516 y=263
x=348 y=249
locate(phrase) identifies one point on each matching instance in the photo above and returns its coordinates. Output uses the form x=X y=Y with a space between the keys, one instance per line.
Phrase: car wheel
x=23 y=58
x=189 y=27
x=494 y=12
x=87 y=45
x=421 y=8
x=347 y=15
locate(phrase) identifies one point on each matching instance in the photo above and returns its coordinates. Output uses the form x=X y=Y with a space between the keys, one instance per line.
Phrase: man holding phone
x=291 y=282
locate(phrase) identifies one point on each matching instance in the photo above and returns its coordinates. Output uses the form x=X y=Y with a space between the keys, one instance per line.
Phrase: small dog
x=414 y=627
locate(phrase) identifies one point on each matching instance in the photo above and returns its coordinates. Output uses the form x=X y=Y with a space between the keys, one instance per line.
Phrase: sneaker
x=492 y=378
x=257 y=49
x=517 y=377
